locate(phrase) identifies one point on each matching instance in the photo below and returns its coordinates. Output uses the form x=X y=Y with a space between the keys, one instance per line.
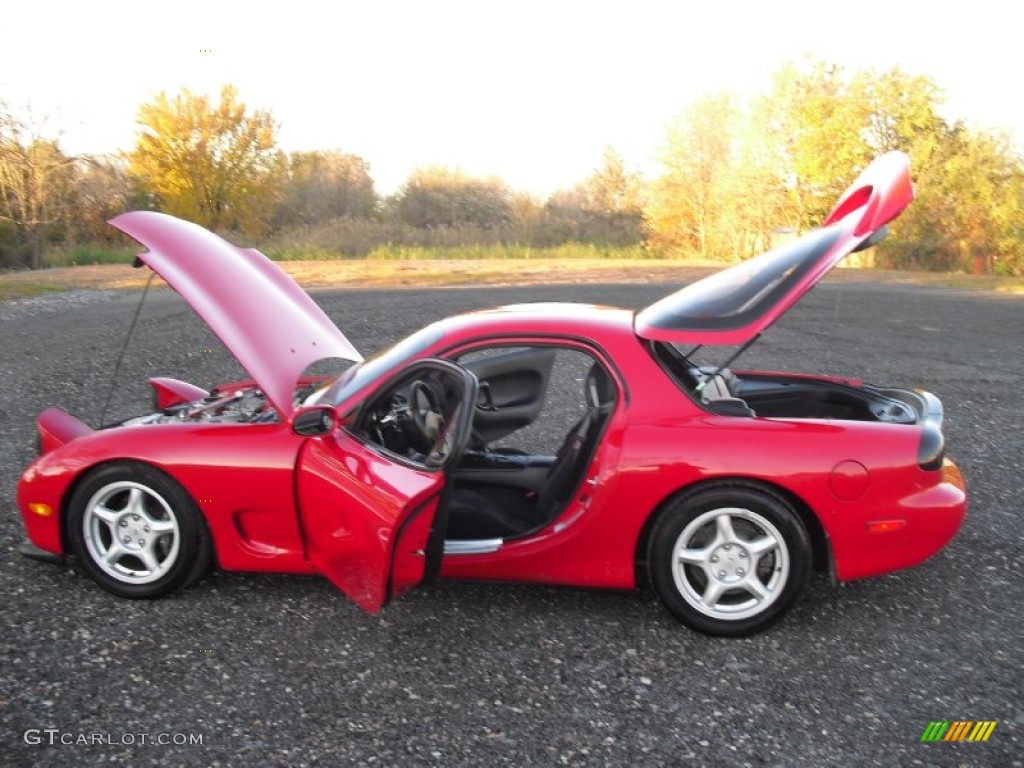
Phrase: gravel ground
x=275 y=670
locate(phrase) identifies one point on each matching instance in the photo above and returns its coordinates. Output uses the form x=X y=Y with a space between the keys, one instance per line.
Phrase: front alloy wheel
x=131 y=532
x=729 y=560
x=137 y=532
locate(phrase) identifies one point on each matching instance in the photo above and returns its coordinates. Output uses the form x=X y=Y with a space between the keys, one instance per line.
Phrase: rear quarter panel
x=845 y=473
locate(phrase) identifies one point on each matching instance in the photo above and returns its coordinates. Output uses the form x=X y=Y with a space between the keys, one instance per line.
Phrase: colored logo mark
x=958 y=730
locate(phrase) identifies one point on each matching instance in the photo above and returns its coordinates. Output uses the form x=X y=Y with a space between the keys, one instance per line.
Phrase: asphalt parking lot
x=275 y=670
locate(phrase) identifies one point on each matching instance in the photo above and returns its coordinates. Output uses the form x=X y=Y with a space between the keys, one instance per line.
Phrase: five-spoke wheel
x=131 y=532
x=136 y=531
x=729 y=559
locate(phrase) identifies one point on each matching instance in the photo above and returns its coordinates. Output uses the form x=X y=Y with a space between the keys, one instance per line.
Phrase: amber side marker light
x=886 y=526
x=951 y=474
x=43 y=510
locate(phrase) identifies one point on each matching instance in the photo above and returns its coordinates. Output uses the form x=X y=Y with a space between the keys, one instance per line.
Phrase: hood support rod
x=124 y=347
x=728 y=362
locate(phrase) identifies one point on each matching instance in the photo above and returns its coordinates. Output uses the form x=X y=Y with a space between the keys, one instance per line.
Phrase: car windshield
x=376 y=366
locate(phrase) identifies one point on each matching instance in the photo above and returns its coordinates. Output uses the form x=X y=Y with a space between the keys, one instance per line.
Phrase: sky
x=531 y=92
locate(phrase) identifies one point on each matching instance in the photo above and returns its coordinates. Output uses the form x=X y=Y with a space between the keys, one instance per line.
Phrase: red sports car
x=551 y=443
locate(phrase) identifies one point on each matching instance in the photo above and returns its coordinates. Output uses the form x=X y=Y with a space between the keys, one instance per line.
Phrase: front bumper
x=31 y=551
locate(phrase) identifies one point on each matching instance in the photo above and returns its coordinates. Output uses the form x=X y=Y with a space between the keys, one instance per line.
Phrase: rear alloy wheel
x=729 y=560
x=137 y=532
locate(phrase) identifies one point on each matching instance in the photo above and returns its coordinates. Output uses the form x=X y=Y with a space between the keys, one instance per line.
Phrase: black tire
x=137 y=532
x=727 y=528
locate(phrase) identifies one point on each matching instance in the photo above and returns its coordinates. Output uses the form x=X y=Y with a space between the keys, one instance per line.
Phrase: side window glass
x=530 y=396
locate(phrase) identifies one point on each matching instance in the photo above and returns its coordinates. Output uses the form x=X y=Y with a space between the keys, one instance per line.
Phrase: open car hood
x=736 y=305
x=269 y=323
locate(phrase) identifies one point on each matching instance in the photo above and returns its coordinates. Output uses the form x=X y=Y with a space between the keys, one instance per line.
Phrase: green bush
x=88 y=253
x=1004 y=268
x=302 y=252
x=297 y=248
x=476 y=252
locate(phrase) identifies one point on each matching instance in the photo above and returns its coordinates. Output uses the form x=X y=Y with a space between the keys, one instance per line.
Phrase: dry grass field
x=449 y=272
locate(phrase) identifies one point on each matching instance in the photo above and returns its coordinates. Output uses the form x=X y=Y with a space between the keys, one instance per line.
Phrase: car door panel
x=409 y=566
x=372 y=520
x=513 y=386
x=352 y=501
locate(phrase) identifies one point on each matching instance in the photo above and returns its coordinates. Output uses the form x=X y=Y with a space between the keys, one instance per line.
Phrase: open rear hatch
x=736 y=305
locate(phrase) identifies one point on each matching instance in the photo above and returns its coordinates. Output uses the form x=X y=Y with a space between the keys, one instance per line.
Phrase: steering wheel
x=422 y=419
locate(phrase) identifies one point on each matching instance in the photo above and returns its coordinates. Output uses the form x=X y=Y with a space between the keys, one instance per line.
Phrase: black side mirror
x=314 y=421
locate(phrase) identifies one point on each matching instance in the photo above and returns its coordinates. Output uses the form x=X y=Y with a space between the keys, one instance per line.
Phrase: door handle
x=484 y=401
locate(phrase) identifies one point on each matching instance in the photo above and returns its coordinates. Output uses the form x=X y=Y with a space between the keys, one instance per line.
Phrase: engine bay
x=242 y=405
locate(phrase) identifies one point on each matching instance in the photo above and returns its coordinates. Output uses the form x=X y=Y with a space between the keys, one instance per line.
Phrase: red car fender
x=241 y=476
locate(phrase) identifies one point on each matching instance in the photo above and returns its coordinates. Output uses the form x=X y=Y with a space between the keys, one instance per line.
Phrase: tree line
x=736 y=176
x=739 y=176
x=217 y=163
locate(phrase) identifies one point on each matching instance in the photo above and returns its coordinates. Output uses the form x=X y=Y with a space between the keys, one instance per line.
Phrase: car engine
x=241 y=406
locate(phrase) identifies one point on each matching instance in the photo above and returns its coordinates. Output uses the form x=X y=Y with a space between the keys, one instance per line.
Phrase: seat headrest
x=599 y=389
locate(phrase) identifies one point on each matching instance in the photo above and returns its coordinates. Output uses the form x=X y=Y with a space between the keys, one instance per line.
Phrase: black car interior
x=503 y=492
x=722 y=391
x=505 y=483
